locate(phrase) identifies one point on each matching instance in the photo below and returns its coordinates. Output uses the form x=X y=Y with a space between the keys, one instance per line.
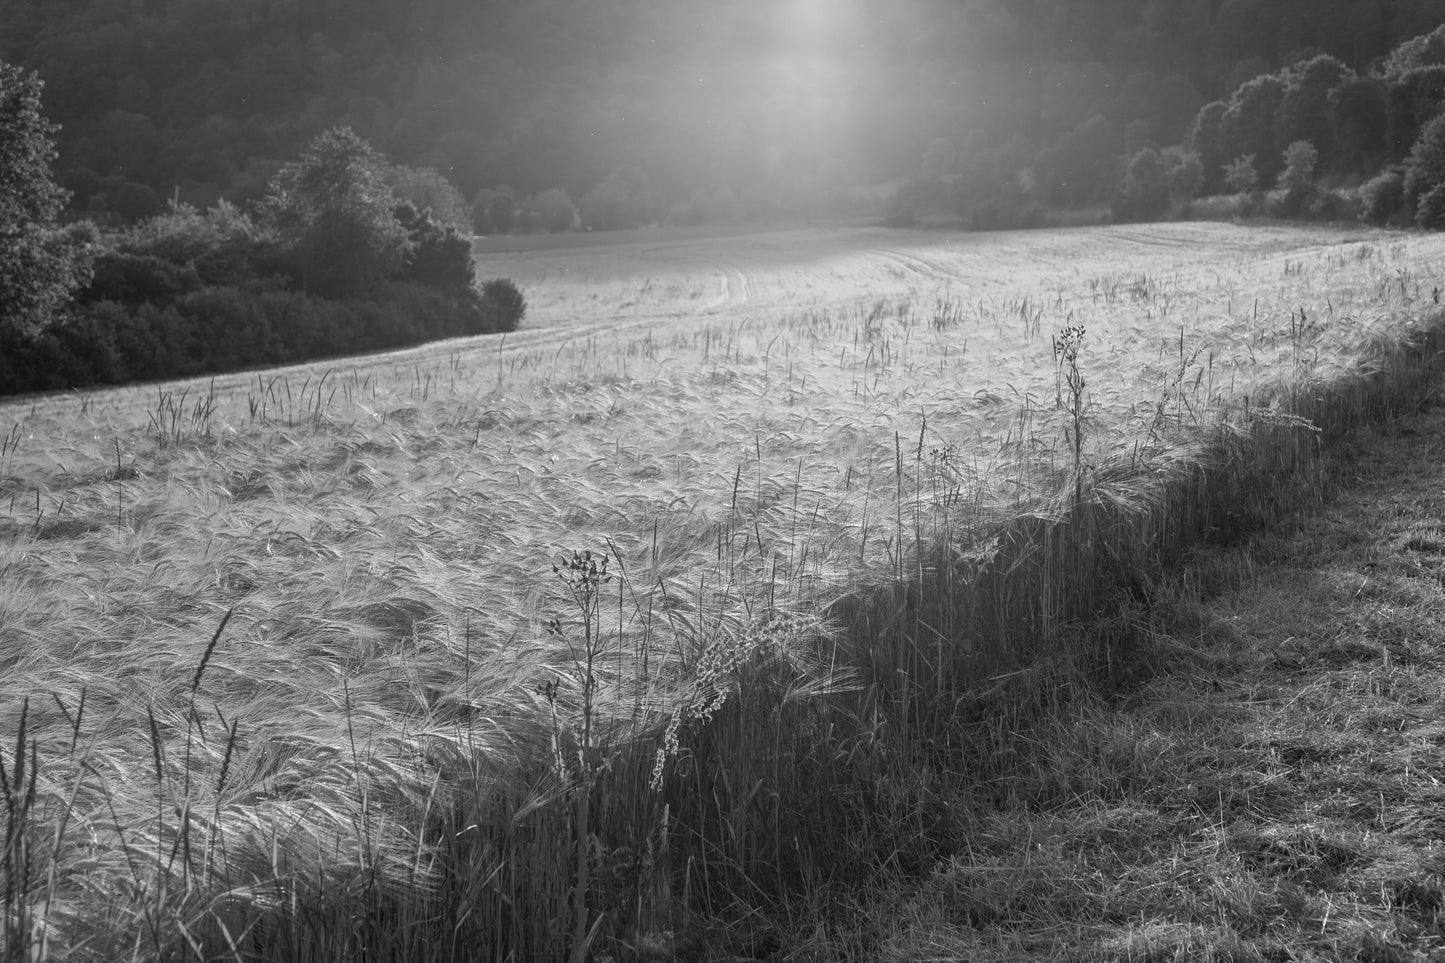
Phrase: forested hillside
x=643 y=110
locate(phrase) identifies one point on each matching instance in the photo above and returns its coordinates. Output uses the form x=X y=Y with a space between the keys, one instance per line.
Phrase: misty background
x=641 y=111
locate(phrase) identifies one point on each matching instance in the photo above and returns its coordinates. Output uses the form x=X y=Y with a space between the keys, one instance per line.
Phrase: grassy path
x=1274 y=790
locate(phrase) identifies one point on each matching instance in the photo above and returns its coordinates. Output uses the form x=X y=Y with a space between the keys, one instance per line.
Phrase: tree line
x=1314 y=138
x=550 y=115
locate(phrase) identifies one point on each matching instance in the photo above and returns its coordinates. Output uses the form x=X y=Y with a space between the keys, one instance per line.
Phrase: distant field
x=752 y=428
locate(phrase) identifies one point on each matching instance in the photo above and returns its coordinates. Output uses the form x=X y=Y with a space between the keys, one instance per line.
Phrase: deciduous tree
x=335 y=213
x=1359 y=122
x=1144 y=193
x=1305 y=111
x=40 y=265
x=1423 y=51
x=1298 y=177
x=1425 y=167
x=1250 y=125
x=1204 y=140
x=1412 y=98
x=428 y=191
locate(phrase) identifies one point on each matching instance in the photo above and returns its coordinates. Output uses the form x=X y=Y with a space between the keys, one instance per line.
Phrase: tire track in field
x=909 y=264
x=735 y=287
x=936 y=269
x=1147 y=238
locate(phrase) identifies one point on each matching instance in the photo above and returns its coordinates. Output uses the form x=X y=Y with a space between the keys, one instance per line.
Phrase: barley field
x=678 y=602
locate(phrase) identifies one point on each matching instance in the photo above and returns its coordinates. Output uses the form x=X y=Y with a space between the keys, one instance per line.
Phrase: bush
x=184 y=233
x=181 y=251
x=226 y=328
x=222 y=245
x=133 y=278
x=504 y=302
x=1333 y=205
x=32 y=361
x=1382 y=197
x=1219 y=207
x=440 y=255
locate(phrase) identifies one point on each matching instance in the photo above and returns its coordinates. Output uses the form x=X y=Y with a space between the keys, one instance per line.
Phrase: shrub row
x=210 y=330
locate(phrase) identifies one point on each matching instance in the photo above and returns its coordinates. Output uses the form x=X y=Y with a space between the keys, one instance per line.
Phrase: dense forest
x=684 y=110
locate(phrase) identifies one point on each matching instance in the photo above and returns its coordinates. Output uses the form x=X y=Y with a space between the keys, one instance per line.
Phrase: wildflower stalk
x=583 y=574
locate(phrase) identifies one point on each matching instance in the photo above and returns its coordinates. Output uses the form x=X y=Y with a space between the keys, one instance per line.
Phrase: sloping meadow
x=537 y=649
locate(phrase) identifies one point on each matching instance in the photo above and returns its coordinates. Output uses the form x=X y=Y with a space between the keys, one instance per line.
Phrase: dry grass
x=852 y=493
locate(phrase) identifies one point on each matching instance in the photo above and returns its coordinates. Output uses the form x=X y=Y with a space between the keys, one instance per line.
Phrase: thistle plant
x=582 y=575
x=1069 y=387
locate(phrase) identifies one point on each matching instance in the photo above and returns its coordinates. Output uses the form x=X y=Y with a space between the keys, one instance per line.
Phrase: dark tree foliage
x=501 y=209
x=1425 y=167
x=1206 y=142
x=427 y=191
x=1143 y=195
x=1250 y=125
x=1382 y=197
x=1305 y=112
x=40 y=266
x=1138 y=136
x=134 y=278
x=505 y=302
x=1175 y=105
x=335 y=214
x=1297 y=179
x=218 y=329
x=1079 y=169
x=205 y=98
x=439 y=255
x=1426 y=50
x=190 y=292
x=1360 y=123
x=1412 y=98
x=1430 y=211
x=1186 y=177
